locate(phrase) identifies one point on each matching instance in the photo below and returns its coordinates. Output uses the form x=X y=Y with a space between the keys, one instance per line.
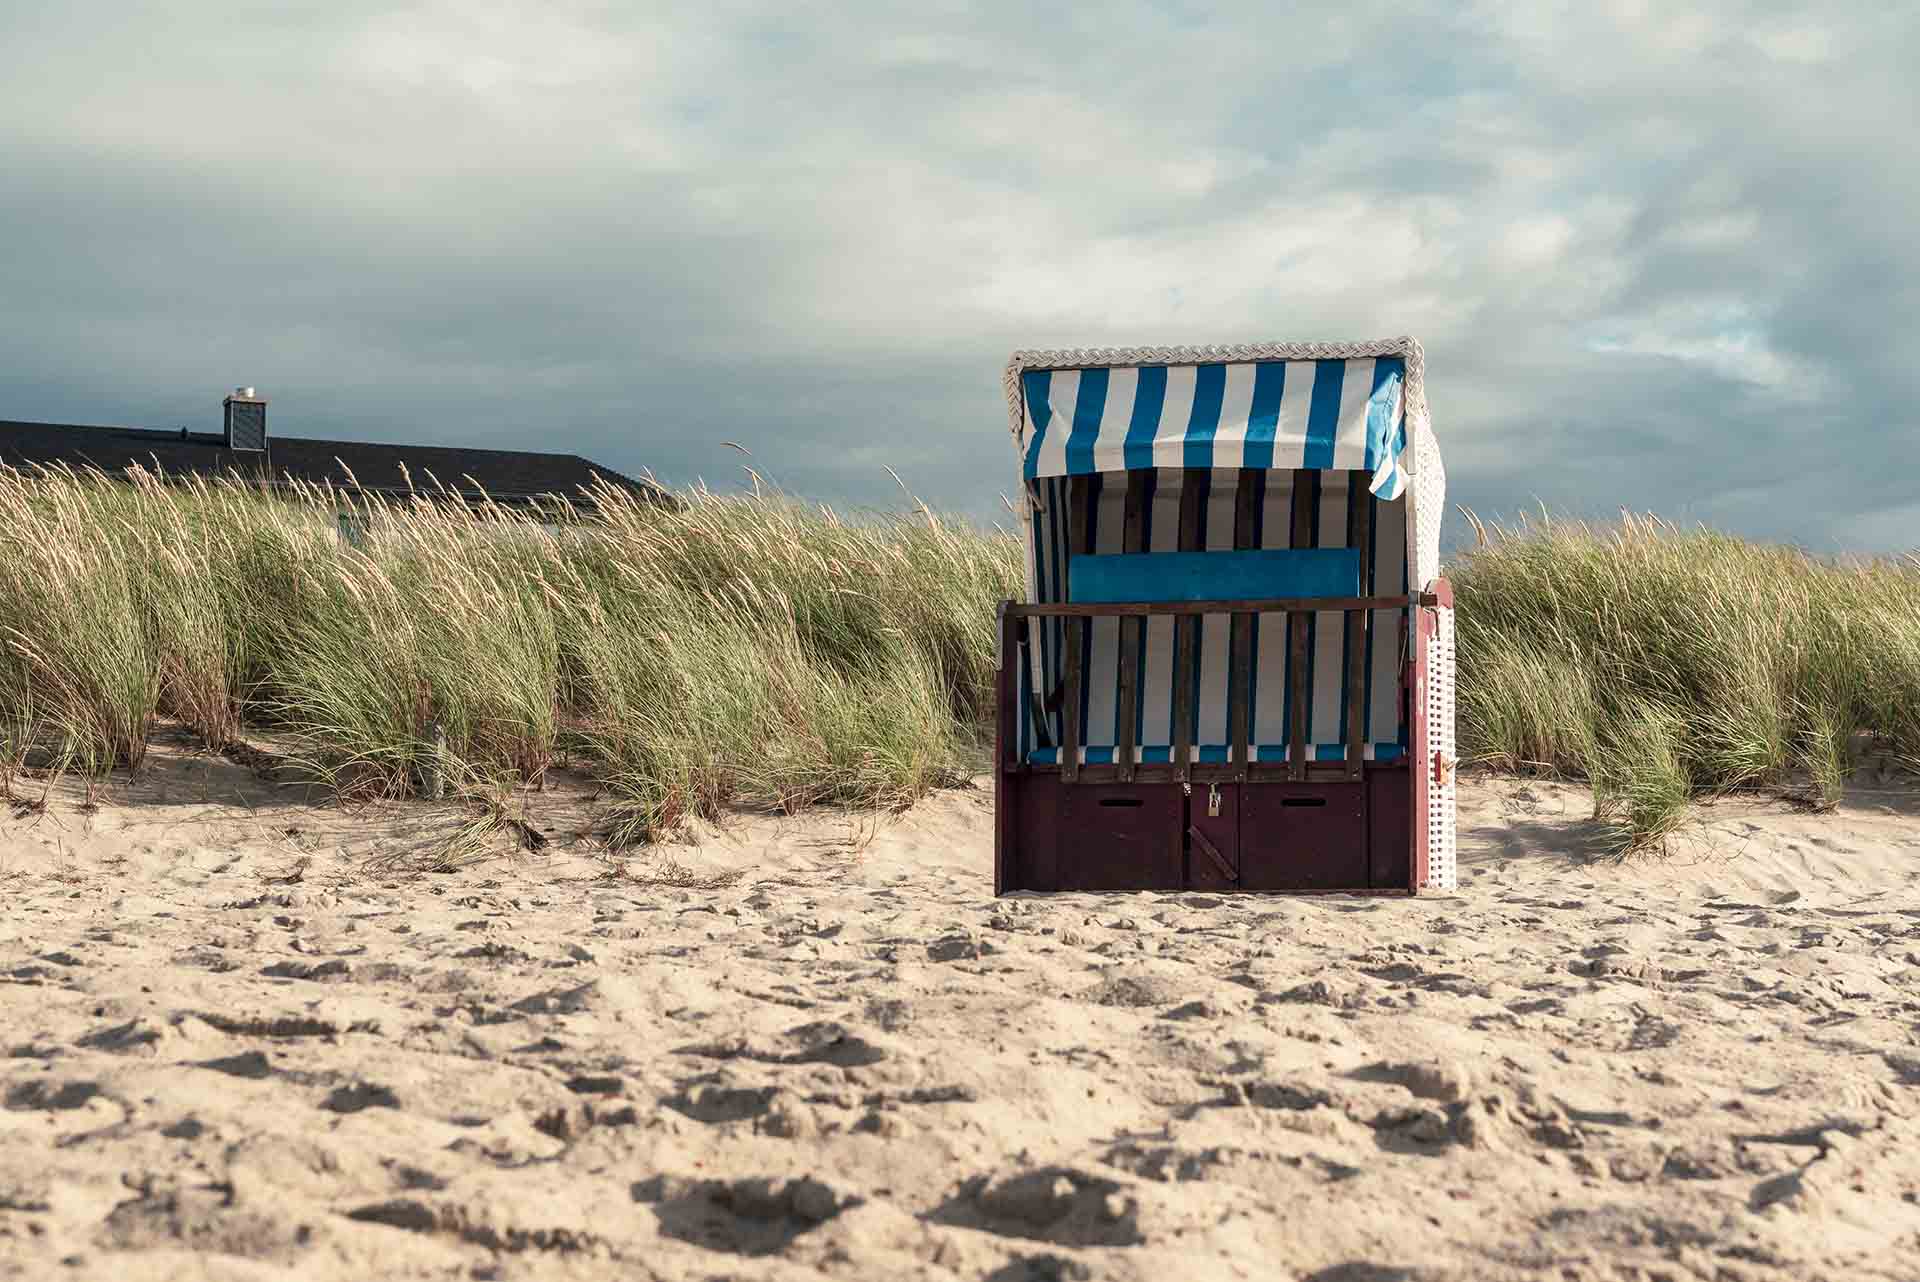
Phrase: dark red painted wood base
x=1269 y=834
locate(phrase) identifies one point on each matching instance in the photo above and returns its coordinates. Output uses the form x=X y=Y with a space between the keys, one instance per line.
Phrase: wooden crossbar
x=1265 y=605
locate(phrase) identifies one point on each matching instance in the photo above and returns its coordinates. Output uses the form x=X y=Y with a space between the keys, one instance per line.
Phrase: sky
x=1661 y=256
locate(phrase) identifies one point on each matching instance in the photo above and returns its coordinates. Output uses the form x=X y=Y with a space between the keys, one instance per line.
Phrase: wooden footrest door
x=1303 y=837
x=1119 y=837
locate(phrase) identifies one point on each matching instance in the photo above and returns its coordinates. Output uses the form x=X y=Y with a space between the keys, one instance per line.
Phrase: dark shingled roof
x=506 y=475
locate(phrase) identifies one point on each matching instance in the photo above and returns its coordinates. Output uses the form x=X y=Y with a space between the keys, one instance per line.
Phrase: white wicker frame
x=1429 y=495
x=1443 y=784
x=1426 y=505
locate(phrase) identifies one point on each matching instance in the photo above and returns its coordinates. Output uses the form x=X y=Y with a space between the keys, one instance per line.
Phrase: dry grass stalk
x=728 y=650
x=1663 y=663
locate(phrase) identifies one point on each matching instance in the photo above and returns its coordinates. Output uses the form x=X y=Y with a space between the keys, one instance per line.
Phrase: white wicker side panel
x=1442 y=873
x=1429 y=504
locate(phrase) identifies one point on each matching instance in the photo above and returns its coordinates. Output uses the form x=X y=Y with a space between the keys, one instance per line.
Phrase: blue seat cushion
x=1252 y=575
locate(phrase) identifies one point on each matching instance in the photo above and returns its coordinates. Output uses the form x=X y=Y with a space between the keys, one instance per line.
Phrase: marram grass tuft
x=728 y=650
x=1664 y=664
x=755 y=650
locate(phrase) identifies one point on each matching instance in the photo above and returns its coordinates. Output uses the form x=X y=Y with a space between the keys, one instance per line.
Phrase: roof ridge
x=499 y=471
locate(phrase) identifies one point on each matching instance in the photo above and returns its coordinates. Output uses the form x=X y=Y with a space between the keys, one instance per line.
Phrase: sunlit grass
x=1664 y=663
x=723 y=650
x=755 y=650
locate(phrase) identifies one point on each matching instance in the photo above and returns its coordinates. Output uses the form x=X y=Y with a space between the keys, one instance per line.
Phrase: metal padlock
x=1213 y=801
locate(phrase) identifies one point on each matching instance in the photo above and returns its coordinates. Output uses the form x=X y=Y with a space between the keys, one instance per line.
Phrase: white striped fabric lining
x=1327 y=415
x=1270 y=728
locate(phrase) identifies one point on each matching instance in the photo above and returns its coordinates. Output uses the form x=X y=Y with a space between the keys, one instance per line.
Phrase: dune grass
x=1664 y=664
x=729 y=650
x=754 y=650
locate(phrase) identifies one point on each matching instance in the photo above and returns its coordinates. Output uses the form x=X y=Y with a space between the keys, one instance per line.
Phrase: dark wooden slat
x=1239 y=707
x=1186 y=632
x=1006 y=686
x=1297 y=732
x=1246 y=502
x=1132 y=631
x=1134 y=516
x=1183 y=692
x=1246 y=508
x=1006 y=749
x=1261 y=605
x=1070 y=705
x=1079 y=497
x=1298 y=622
x=1298 y=691
x=1359 y=535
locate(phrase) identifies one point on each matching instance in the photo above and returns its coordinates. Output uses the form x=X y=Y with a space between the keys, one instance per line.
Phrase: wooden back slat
x=1359 y=536
x=1298 y=690
x=1246 y=508
x=1132 y=632
x=1079 y=498
x=1186 y=631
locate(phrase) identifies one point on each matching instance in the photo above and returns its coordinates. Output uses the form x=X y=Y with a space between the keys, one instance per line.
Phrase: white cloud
x=1741 y=356
x=1796 y=40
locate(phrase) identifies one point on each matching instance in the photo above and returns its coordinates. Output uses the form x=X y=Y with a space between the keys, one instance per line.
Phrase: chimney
x=246 y=420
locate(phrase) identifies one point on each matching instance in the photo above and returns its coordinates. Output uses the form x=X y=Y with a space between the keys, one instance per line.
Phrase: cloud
x=1659 y=259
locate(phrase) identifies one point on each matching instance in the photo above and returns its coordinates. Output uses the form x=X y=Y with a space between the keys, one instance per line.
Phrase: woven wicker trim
x=1406 y=347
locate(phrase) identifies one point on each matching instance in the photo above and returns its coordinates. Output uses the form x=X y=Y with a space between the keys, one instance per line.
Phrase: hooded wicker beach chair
x=1233 y=669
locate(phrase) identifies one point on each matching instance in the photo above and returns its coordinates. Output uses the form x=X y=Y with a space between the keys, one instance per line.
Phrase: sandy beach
x=246 y=1036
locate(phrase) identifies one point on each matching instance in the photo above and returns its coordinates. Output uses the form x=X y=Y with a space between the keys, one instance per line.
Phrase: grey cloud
x=1659 y=260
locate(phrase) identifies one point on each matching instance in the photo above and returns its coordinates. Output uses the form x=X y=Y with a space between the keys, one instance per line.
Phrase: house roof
x=506 y=475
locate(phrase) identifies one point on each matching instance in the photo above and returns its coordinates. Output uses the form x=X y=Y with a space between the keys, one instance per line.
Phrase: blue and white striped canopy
x=1322 y=415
